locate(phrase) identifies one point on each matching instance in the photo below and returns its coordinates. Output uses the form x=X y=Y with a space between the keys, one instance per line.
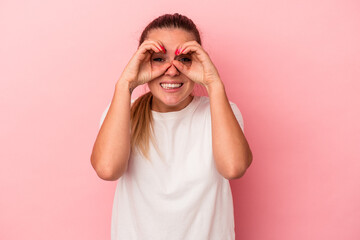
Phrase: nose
x=172 y=70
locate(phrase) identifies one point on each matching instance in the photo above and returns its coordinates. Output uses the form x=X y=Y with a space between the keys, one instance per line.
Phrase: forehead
x=170 y=37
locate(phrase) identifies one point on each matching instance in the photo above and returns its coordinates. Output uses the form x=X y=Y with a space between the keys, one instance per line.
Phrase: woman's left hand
x=201 y=70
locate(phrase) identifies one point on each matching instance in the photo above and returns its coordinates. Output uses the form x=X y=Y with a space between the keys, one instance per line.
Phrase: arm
x=231 y=151
x=111 y=149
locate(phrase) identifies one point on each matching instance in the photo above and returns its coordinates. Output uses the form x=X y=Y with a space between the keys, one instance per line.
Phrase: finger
x=158 y=44
x=144 y=53
x=151 y=47
x=181 y=67
x=191 y=49
x=160 y=71
x=187 y=44
x=198 y=53
x=161 y=45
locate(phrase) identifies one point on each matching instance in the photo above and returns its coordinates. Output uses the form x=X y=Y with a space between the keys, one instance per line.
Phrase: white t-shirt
x=179 y=195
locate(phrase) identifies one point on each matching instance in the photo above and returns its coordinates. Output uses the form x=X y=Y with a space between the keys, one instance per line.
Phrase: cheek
x=151 y=85
x=191 y=86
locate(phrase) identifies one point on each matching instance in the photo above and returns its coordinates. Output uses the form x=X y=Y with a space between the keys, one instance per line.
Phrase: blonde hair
x=141 y=124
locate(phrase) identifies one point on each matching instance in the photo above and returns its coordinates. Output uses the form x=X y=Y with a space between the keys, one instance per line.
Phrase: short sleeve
x=238 y=115
x=103 y=115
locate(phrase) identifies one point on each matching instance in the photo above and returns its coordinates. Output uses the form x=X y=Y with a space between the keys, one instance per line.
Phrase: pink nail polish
x=163 y=49
x=177 y=52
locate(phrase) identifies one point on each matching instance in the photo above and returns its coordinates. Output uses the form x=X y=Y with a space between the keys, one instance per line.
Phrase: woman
x=172 y=153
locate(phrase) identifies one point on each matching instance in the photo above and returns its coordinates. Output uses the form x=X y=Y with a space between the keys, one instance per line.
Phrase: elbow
x=107 y=175
x=105 y=172
x=239 y=171
x=236 y=174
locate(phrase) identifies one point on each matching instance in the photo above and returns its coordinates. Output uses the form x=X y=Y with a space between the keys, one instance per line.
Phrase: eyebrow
x=183 y=55
x=161 y=54
x=158 y=53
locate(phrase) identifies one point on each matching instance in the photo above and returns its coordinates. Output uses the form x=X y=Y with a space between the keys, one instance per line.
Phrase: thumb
x=181 y=67
x=160 y=71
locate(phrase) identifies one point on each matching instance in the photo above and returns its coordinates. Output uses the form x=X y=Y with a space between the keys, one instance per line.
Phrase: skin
x=164 y=101
x=170 y=56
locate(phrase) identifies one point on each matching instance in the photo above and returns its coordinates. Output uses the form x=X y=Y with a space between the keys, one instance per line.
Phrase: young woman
x=172 y=153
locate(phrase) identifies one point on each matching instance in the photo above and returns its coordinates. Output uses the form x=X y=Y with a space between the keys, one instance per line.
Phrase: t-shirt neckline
x=183 y=112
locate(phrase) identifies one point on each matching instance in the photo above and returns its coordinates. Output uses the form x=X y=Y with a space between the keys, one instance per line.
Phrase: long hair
x=140 y=113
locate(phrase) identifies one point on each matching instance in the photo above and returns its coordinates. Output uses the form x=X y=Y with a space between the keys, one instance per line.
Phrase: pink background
x=292 y=67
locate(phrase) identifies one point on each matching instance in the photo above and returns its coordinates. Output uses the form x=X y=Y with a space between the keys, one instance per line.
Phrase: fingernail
x=162 y=47
x=177 y=52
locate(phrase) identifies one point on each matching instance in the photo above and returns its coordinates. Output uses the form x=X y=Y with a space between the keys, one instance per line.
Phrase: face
x=171 y=91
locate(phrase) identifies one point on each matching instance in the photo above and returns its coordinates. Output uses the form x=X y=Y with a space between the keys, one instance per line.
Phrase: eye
x=158 y=59
x=185 y=59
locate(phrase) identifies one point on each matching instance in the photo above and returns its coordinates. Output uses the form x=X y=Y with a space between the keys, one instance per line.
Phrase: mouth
x=171 y=85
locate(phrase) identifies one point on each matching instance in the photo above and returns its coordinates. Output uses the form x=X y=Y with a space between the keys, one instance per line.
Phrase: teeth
x=171 y=85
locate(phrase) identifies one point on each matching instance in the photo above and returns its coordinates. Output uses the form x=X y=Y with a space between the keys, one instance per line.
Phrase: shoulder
x=204 y=102
x=204 y=107
x=106 y=110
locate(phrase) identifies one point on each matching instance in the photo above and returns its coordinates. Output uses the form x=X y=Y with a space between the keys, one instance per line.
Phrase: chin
x=168 y=102
x=170 y=97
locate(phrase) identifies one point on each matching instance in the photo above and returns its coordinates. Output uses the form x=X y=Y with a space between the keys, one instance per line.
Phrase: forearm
x=230 y=148
x=111 y=149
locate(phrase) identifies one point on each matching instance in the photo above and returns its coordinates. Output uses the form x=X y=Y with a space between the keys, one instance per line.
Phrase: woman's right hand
x=139 y=71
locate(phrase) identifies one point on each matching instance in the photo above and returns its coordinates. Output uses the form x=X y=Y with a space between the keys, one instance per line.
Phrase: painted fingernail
x=162 y=47
x=177 y=51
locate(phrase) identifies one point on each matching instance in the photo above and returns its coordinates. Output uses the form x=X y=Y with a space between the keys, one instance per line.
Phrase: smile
x=171 y=85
